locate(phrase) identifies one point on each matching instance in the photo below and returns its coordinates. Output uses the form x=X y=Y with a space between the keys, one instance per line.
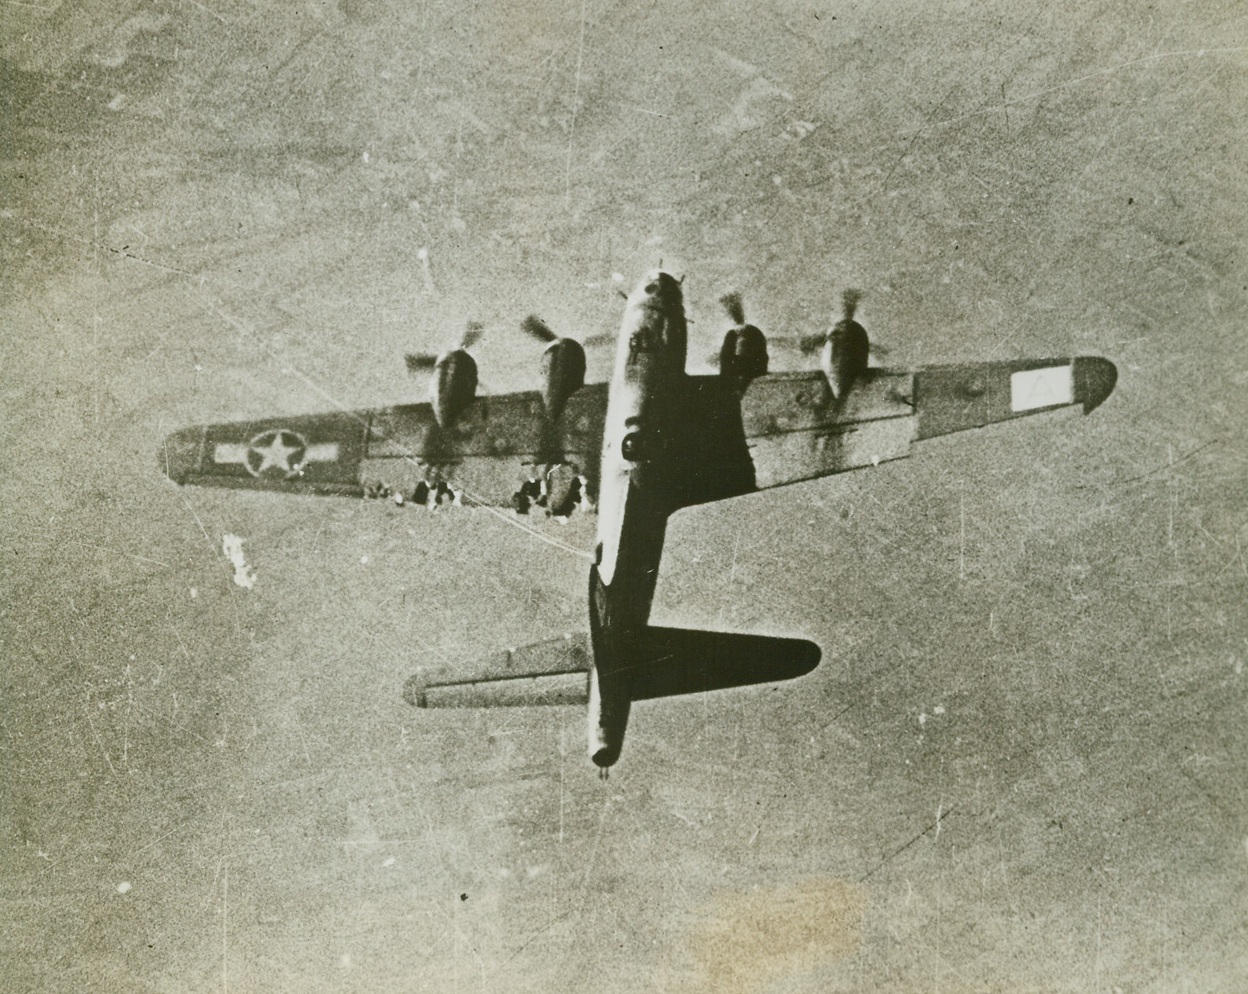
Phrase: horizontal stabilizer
x=520 y=691
x=686 y=661
x=671 y=661
x=551 y=672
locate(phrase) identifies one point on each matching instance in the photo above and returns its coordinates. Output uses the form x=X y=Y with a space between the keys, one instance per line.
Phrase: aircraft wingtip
x=1095 y=379
x=179 y=454
x=414 y=692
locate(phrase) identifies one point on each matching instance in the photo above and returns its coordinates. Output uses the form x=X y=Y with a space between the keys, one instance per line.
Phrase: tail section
x=667 y=662
x=657 y=662
x=610 y=700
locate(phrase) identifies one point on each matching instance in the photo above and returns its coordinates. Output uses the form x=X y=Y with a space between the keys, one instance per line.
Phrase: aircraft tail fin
x=688 y=661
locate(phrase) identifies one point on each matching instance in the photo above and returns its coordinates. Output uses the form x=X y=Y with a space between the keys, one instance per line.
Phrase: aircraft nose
x=660 y=288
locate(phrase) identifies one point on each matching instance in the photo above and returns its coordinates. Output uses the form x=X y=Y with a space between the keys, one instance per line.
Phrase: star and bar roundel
x=301 y=451
x=276 y=454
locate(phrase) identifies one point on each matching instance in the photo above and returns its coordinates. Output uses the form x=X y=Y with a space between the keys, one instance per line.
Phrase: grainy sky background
x=1022 y=764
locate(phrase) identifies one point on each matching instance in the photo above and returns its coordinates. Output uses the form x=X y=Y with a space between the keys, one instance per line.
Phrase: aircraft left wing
x=500 y=451
x=787 y=427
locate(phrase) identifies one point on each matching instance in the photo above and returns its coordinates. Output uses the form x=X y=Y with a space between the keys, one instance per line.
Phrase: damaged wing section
x=503 y=451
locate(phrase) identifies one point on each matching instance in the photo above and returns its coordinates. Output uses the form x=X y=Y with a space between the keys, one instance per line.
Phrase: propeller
x=845 y=357
x=471 y=335
x=424 y=362
x=420 y=362
x=601 y=338
x=849 y=304
x=733 y=305
x=535 y=327
x=743 y=354
x=811 y=344
x=562 y=364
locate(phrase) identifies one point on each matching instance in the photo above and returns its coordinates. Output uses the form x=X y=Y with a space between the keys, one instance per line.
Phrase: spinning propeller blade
x=733 y=305
x=424 y=362
x=535 y=327
x=849 y=303
x=810 y=344
x=420 y=362
x=472 y=334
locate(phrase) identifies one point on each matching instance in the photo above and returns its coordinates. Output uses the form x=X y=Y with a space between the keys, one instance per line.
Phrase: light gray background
x=1022 y=763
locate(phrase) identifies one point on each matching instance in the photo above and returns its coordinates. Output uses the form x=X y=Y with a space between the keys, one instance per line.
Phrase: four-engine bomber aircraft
x=652 y=441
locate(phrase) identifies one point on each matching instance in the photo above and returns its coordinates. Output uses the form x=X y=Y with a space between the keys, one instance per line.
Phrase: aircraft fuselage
x=634 y=499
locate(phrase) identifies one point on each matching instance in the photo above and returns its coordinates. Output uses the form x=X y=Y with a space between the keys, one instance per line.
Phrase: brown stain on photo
x=750 y=941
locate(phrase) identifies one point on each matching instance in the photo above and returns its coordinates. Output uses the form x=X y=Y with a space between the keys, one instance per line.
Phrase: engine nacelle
x=563 y=373
x=743 y=355
x=454 y=385
x=844 y=356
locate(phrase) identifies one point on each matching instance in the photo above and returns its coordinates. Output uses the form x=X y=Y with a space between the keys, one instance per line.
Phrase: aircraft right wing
x=787 y=427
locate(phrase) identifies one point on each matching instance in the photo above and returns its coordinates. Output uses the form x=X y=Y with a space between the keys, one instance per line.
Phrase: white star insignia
x=276 y=452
